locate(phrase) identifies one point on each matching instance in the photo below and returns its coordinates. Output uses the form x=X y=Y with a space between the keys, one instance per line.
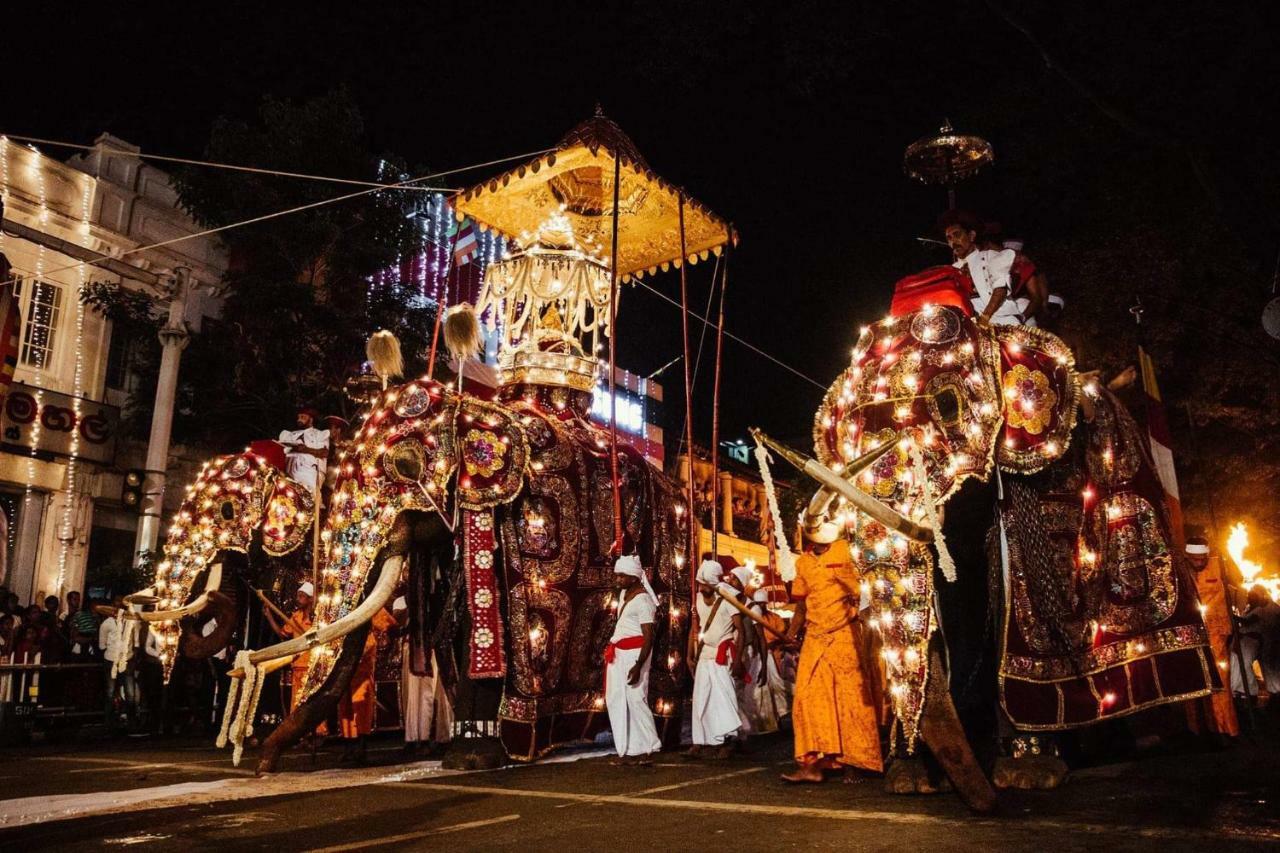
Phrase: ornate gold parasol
x=947 y=157
x=576 y=179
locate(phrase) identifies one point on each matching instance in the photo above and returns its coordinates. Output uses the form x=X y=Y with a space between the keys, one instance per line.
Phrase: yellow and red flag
x=1161 y=443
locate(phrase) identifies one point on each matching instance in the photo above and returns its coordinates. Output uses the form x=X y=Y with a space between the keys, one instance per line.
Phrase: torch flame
x=1249 y=570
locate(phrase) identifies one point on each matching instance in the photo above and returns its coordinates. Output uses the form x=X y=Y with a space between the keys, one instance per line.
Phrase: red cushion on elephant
x=943 y=285
x=271 y=451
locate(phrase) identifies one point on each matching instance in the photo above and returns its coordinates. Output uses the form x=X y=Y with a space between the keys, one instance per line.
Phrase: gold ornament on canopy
x=576 y=180
x=549 y=299
x=947 y=157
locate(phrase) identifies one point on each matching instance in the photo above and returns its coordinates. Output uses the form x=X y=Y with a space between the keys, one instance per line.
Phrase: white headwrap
x=709 y=572
x=1196 y=549
x=744 y=575
x=629 y=564
x=309 y=588
x=761 y=595
x=400 y=603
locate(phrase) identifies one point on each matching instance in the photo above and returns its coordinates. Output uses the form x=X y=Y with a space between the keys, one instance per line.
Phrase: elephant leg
x=318 y=706
x=942 y=732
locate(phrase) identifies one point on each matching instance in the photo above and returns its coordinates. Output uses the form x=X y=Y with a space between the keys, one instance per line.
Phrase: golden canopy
x=577 y=178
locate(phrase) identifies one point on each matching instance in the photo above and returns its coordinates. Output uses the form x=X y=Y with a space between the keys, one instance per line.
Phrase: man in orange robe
x=834 y=712
x=355 y=708
x=1214 y=714
x=298 y=623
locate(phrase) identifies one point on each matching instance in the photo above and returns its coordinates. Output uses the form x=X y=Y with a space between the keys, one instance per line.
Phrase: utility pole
x=173 y=340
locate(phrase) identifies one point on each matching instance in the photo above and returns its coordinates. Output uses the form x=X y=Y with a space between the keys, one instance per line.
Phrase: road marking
x=411 y=836
x=716 y=778
x=909 y=818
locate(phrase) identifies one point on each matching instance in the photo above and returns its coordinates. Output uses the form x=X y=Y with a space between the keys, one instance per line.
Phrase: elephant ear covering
x=404 y=457
x=221 y=510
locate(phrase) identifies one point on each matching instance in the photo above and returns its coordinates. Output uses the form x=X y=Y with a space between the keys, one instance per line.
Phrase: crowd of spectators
x=73 y=630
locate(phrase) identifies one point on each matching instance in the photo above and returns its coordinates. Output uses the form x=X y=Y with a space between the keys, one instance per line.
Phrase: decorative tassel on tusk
x=945 y=562
x=786 y=559
x=237 y=718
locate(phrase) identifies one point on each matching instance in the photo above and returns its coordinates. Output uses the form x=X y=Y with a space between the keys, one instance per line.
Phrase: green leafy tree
x=303 y=291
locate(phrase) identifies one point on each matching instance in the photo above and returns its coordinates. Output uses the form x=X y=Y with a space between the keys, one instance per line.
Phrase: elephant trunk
x=199 y=646
x=943 y=733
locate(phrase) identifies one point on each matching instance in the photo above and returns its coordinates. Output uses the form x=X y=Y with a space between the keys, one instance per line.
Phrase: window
x=39 y=323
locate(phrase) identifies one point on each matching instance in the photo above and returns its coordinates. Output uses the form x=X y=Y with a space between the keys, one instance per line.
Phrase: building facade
x=94 y=218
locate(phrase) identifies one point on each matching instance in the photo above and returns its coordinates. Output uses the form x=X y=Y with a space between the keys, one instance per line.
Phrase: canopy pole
x=692 y=543
x=715 y=410
x=613 y=362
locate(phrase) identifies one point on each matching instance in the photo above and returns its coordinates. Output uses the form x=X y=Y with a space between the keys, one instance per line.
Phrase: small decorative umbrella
x=947 y=158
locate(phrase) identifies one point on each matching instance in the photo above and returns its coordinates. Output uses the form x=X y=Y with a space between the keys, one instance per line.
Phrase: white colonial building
x=62 y=459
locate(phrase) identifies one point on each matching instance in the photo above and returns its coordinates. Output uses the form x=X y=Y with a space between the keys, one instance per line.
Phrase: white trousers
x=428 y=714
x=715 y=703
x=630 y=717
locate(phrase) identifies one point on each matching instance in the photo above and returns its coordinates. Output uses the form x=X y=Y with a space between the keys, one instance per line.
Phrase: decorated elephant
x=955 y=449
x=236 y=502
x=512 y=501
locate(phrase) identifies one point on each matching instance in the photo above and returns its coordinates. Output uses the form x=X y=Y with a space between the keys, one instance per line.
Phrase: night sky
x=790 y=121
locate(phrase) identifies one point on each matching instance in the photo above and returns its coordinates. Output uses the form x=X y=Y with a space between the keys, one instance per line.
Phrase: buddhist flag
x=466 y=244
x=1160 y=442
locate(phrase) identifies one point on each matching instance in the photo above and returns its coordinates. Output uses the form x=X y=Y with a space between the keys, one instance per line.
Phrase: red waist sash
x=611 y=650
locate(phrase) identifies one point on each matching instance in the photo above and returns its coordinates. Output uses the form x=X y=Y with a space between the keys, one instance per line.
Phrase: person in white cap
x=1215 y=715
x=298 y=623
x=424 y=701
x=750 y=714
x=764 y=696
x=626 y=665
x=715 y=659
x=834 y=715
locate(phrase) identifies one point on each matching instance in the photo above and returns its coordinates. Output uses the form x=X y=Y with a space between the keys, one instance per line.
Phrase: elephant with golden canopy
x=953 y=453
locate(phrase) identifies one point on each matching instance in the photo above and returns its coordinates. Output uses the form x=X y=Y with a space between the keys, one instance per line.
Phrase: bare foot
x=803 y=774
x=722 y=752
x=693 y=753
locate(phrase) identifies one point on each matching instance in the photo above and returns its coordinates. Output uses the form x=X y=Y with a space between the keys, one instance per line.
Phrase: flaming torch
x=1249 y=570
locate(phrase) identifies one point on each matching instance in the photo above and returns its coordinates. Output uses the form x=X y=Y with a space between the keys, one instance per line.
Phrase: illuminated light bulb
x=1015 y=347
x=1109 y=698
x=948 y=358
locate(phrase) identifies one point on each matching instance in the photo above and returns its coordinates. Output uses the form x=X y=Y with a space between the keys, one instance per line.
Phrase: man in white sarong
x=715 y=658
x=766 y=693
x=750 y=714
x=424 y=702
x=308 y=450
x=626 y=666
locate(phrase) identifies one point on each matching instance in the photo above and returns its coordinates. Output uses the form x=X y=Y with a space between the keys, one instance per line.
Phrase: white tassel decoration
x=786 y=559
x=945 y=562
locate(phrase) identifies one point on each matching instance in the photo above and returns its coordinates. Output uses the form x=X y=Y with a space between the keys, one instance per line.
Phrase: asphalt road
x=186 y=796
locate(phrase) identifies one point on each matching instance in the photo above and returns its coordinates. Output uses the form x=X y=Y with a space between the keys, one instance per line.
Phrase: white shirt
x=303 y=467
x=720 y=629
x=989 y=270
x=108 y=639
x=635 y=613
x=209 y=628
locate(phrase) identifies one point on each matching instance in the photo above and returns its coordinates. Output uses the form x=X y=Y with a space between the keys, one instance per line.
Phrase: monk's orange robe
x=834 y=713
x=1215 y=712
x=355 y=709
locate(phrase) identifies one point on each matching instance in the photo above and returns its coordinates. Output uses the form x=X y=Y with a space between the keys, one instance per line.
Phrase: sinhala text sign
x=46 y=421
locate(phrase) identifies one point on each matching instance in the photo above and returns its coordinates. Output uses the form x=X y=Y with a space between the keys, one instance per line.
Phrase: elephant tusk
x=267 y=668
x=817 y=509
x=829 y=479
x=212 y=581
x=376 y=600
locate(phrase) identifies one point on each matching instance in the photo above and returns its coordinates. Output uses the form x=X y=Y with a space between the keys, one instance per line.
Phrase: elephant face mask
x=417 y=438
x=233 y=496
